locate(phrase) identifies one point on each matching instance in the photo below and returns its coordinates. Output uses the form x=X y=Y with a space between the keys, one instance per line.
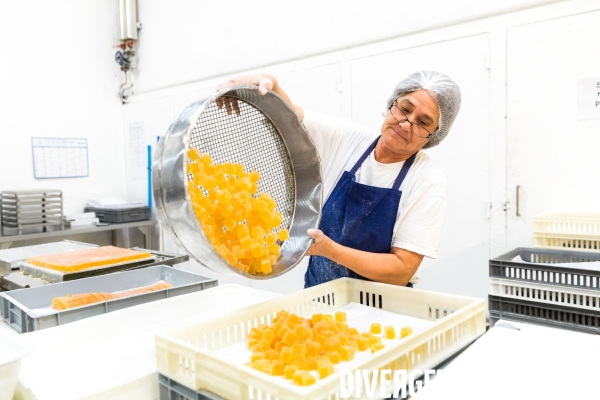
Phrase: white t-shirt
x=422 y=209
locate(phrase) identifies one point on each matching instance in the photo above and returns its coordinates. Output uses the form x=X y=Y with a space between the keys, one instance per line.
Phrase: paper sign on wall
x=589 y=98
x=59 y=157
x=138 y=156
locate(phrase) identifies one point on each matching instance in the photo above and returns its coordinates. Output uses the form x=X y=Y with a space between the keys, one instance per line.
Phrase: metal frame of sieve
x=267 y=136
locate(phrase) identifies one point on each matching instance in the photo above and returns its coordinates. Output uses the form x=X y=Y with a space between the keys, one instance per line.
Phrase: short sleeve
x=422 y=213
x=421 y=228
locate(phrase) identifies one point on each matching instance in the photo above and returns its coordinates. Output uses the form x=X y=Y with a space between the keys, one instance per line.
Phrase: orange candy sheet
x=82 y=299
x=89 y=258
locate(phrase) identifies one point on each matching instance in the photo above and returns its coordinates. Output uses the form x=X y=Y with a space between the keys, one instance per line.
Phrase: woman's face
x=397 y=137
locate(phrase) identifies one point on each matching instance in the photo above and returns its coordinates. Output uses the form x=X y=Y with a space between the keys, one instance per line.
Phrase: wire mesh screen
x=252 y=140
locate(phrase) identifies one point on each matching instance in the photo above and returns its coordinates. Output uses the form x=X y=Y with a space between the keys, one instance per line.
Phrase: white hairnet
x=444 y=91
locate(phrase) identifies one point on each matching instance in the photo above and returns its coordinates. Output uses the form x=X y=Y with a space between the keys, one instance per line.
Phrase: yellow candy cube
x=346 y=353
x=244 y=184
x=254 y=176
x=225 y=209
x=265 y=266
x=229 y=223
x=257 y=233
x=257 y=250
x=325 y=370
x=376 y=328
x=246 y=242
x=390 y=332
x=376 y=347
x=334 y=357
x=193 y=154
x=224 y=196
x=289 y=371
x=284 y=234
x=362 y=343
x=404 y=332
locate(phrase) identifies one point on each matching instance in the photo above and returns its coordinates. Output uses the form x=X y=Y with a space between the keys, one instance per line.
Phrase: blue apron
x=358 y=216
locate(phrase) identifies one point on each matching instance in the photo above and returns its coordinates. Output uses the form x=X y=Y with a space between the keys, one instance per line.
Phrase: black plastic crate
x=120 y=216
x=170 y=389
x=537 y=266
x=552 y=315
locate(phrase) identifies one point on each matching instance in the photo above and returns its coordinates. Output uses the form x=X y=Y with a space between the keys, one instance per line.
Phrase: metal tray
x=29 y=310
x=11 y=258
x=53 y=276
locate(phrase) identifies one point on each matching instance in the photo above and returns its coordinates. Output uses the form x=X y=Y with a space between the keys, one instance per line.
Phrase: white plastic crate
x=13 y=348
x=548 y=304
x=189 y=353
x=585 y=299
x=567 y=230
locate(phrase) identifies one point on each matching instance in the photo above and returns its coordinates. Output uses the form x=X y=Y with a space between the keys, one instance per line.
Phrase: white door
x=552 y=155
x=461 y=266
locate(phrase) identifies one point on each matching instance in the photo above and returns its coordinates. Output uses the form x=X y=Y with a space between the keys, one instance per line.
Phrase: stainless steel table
x=117 y=234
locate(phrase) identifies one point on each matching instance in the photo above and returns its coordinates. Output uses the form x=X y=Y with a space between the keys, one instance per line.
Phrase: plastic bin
x=567 y=230
x=170 y=389
x=120 y=216
x=13 y=348
x=540 y=265
x=28 y=310
x=556 y=316
x=188 y=353
x=551 y=305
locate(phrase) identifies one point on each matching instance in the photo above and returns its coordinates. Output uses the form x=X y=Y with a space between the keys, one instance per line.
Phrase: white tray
x=196 y=353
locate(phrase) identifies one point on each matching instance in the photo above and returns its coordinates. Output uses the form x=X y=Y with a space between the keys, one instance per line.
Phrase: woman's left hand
x=322 y=244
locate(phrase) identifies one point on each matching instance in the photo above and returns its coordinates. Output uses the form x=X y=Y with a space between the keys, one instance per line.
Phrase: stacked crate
x=558 y=288
x=26 y=209
x=567 y=230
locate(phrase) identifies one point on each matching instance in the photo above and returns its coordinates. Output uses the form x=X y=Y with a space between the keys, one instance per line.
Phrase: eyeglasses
x=415 y=127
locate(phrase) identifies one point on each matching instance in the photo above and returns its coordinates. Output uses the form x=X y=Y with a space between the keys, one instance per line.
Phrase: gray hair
x=444 y=91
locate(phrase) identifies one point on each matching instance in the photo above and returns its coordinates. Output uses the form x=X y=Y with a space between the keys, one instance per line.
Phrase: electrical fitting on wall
x=128 y=36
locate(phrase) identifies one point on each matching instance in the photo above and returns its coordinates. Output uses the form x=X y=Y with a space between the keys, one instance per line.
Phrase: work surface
x=517 y=361
x=112 y=356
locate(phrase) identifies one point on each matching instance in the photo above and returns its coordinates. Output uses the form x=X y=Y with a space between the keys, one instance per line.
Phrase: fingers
x=231 y=105
x=265 y=85
x=235 y=106
x=316 y=235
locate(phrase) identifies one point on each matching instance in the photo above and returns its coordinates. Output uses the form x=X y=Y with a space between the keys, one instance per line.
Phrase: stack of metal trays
x=25 y=209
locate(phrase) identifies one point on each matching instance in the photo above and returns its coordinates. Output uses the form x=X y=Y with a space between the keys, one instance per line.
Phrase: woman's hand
x=265 y=83
x=322 y=244
x=396 y=267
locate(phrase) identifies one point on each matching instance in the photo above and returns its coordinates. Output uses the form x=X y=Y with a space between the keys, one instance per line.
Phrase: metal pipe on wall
x=128 y=27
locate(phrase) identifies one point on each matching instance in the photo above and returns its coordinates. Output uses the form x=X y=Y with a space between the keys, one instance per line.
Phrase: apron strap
x=364 y=157
x=407 y=164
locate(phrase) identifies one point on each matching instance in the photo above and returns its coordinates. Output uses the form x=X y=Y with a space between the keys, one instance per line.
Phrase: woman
x=385 y=200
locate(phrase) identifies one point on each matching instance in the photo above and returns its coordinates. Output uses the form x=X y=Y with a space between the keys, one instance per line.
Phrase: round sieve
x=267 y=137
